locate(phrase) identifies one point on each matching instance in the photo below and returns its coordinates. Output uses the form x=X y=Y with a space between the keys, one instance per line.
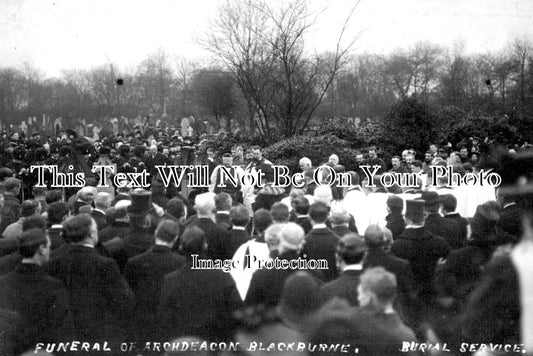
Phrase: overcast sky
x=68 y=34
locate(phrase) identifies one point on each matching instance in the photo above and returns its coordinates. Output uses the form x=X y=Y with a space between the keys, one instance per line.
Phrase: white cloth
x=243 y=276
x=355 y=202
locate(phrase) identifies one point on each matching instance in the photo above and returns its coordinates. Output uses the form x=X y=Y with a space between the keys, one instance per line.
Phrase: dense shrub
x=316 y=147
x=223 y=143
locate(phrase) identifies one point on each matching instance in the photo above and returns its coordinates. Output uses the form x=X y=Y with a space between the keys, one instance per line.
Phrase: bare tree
x=264 y=48
x=521 y=49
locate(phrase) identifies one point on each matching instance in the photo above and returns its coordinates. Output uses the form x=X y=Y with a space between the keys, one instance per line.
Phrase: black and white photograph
x=266 y=177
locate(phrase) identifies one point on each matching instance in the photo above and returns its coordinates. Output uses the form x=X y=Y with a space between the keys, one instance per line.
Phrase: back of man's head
x=34 y=222
x=29 y=208
x=192 y=241
x=121 y=209
x=449 y=203
x=223 y=201
x=280 y=212
x=204 y=203
x=239 y=215
x=318 y=212
x=395 y=204
x=38 y=191
x=351 y=249
x=272 y=236
x=77 y=228
x=57 y=212
x=339 y=215
x=323 y=194
x=262 y=220
x=167 y=231
x=11 y=184
x=291 y=237
x=301 y=206
x=30 y=241
x=375 y=237
x=102 y=200
x=381 y=283
x=53 y=196
x=176 y=207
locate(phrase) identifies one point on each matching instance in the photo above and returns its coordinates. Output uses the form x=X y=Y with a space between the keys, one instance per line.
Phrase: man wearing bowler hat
x=140 y=237
x=420 y=247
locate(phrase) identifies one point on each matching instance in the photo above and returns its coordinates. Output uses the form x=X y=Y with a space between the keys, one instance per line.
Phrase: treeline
x=366 y=86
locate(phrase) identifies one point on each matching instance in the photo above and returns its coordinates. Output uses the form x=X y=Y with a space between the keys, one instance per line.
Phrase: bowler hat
x=141 y=202
x=484 y=221
x=431 y=198
x=414 y=210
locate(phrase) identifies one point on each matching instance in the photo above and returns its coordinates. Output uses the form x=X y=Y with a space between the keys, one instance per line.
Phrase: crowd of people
x=397 y=268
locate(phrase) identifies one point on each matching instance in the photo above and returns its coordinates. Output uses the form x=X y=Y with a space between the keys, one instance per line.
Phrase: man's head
x=167 y=233
x=204 y=204
x=236 y=151
x=280 y=213
x=35 y=244
x=404 y=154
x=372 y=153
x=227 y=159
x=262 y=220
x=210 y=152
x=395 y=162
x=305 y=164
x=121 y=210
x=433 y=148
x=409 y=158
x=81 y=229
x=176 y=207
x=34 y=222
x=273 y=236
x=86 y=194
x=239 y=216
x=57 y=212
x=192 y=242
x=12 y=185
x=153 y=150
x=257 y=152
x=333 y=159
x=428 y=157
x=301 y=206
x=223 y=202
x=449 y=203
x=416 y=166
x=377 y=288
x=414 y=211
x=30 y=208
x=463 y=152
x=432 y=202
x=323 y=194
x=339 y=216
x=374 y=237
x=350 y=251
x=395 y=204
x=102 y=201
x=291 y=238
x=318 y=213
